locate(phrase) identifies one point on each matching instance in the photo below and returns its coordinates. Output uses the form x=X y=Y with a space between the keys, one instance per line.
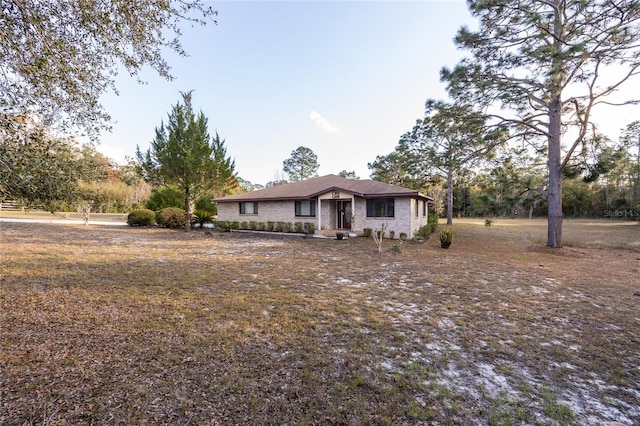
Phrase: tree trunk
x=554 y=197
x=449 y=197
x=187 y=211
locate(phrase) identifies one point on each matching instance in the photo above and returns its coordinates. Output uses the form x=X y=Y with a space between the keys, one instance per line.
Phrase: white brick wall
x=405 y=219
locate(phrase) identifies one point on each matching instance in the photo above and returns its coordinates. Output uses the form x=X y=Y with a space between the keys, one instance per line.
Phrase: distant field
x=119 y=325
x=39 y=214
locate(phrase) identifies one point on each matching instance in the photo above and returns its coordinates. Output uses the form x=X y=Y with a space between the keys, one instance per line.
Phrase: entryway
x=343 y=211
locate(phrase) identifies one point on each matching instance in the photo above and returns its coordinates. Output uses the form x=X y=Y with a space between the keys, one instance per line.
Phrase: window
x=417 y=208
x=424 y=208
x=306 y=208
x=380 y=207
x=249 y=208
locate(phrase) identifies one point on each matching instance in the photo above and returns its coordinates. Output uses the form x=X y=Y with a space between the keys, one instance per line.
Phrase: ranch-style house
x=333 y=204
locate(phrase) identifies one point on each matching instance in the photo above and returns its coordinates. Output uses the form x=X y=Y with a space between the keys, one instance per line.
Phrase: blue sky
x=344 y=78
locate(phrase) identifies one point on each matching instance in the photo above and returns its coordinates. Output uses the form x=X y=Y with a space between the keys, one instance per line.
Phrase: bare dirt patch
x=145 y=326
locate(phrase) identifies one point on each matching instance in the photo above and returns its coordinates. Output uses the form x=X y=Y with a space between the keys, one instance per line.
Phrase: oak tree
x=58 y=57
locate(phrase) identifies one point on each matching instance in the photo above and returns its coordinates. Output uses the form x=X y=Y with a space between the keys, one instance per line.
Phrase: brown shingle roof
x=313 y=187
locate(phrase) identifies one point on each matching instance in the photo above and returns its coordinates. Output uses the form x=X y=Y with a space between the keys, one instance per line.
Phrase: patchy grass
x=145 y=326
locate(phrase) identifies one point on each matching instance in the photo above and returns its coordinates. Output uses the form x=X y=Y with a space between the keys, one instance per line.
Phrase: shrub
x=309 y=227
x=403 y=236
x=260 y=226
x=141 y=217
x=243 y=225
x=253 y=225
x=299 y=227
x=269 y=226
x=279 y=227
x=367 y=232
x=392 y=235
x=202 y=217
x=162 y=198
x=446 y=235
x=425 y=231
x=171 y=217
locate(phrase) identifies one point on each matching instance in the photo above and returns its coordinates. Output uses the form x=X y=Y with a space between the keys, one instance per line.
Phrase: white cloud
x=114 y=153
x=322 y=122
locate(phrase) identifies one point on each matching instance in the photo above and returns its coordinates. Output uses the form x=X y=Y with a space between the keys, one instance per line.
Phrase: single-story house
x=333 y=204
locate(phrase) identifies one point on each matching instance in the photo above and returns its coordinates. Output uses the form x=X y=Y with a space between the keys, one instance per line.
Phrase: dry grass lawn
x=118 y=325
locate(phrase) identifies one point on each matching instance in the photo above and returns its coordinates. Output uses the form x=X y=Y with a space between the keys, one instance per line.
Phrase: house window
x=424 y=208
x=417 y=208
x=306 y=208
x=250 y=207
x=380 y=207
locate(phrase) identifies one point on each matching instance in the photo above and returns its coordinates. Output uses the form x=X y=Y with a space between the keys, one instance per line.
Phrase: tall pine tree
x=184 y=157
x=544 y=64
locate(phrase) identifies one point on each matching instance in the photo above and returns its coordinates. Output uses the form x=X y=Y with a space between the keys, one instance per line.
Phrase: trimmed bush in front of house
x=141 y=217
x=171 y=217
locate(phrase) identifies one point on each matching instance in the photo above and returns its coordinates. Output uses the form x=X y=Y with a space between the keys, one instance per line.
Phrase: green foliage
x=182 y=156
x=171 y=217
x=35 y=168
x=392 y=235
x=141 y=217
x=367 y=232
x=226 y=225
x=309 y=227
x=270 y=226
x=203 y=217
x=446 y=235
x=302 y=164
x=425 y=231
x=164 y=197
x=403 y=236
x=204 y=203
x=572 y=66
x=243 y=225
x=253 y=225
x=59 y=57
x=299 y=227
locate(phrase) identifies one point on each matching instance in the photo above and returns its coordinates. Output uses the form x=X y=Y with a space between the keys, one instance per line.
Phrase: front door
x=344 y=215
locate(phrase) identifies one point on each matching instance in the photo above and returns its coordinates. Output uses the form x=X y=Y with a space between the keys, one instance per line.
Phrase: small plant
x=203 y=216
x=397 y=248
x=141 y=217
x=425 y=231
x=260 y=226
x=299 y=227
x=244 y=225
x=171 y=217
x=253 y=225
x=403 y=236
x=367 y=232
x=488 y=222
x=270 y=226
x=378 y=236
x=309 y=228
x=446 y=236
x=392 y=235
